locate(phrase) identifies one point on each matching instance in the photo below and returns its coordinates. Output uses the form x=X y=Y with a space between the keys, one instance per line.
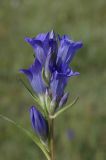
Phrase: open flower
x=41 y=44
x=34 y=74
x=51 y=68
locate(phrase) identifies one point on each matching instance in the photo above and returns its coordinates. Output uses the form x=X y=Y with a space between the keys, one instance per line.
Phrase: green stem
x=52 y=139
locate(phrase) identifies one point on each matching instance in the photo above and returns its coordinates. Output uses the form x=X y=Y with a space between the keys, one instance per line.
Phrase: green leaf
x=64 y=108
x=36 y=99
x=29 y=91
x=34 y=138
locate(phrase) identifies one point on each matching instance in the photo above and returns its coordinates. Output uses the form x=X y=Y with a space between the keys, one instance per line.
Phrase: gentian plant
x=48 y=76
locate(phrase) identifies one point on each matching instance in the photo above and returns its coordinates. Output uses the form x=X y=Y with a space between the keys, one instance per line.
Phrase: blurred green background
x=83 y=20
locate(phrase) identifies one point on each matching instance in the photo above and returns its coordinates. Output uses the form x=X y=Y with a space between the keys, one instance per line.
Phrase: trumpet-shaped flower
x=51 y=68
x=34 y=74
x=42 y=44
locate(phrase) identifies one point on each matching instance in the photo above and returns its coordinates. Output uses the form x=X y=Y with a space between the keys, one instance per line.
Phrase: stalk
x=51 y=145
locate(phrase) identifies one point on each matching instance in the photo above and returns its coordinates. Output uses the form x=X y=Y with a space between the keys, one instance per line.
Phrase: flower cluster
x=49 y=75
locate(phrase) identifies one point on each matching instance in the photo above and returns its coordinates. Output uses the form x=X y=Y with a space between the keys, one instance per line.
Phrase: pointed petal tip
x=52 y=34
x=32 y=108
x=27 y=73
x=64 y=99
x=21 y=70
x=78 y=44
x=76 y=73
x=27 y=39
x=72 y=73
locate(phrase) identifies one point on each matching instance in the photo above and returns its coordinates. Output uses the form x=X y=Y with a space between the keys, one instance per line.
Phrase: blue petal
x=65 y=71
x=33 y=41
x=38 y=43
x=62 y=52
x=68 y=72
x=39 y=124
x=63 y=100
x=34 y=74
x=28 y=73
x=72 y=51
x=42 y=36
x=71 y=73
x=47 y=65
x=58 y=84
x=42 y=44
x=67 y=50
x=38 y=48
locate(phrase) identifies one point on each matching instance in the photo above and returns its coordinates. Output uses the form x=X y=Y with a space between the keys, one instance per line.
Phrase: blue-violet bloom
x=39 y=124
x=34 y=74
x=53 y=55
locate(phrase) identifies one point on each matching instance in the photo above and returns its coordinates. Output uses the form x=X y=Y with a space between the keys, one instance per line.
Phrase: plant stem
x=52 y=139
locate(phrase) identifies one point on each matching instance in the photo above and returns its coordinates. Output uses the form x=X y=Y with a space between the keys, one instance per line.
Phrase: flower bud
x=46 y=68
x=63 y=100
x=47 y=100
x=53 y=105
x=39 y=123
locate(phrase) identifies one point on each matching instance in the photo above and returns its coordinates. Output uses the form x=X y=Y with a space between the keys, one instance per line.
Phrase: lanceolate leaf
x=33 y=96
x=34 y=138
x=30 y=92
x=64 y=108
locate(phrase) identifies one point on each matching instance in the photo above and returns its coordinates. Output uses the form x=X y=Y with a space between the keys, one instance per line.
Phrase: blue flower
x=51 y=69
x=57 y=85
x=59 y=82
x=54 y=53
x=39 y=124
x=34 y=74
x=67 y=50
x=41 y=44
